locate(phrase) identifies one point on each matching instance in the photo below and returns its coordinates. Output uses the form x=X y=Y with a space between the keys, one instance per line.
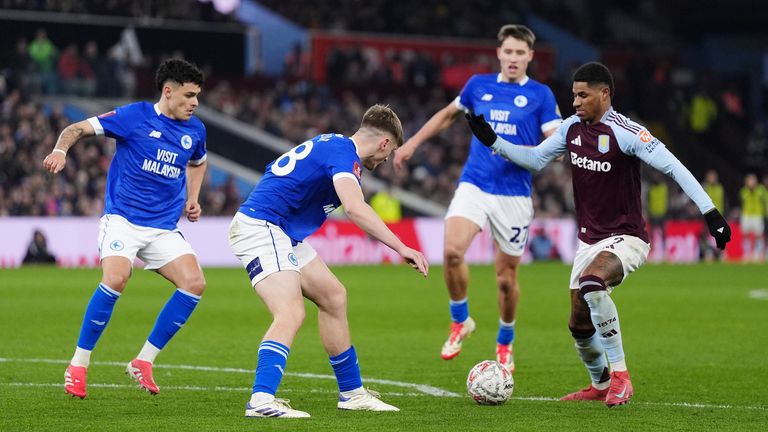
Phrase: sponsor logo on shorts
x=292 y=258
x=117 y=245
x=254 y=268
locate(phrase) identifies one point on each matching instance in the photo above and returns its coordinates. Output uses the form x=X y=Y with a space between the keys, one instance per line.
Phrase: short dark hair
x=179 y=71
x=517 y=31
x=383 y=118
x=594 y=73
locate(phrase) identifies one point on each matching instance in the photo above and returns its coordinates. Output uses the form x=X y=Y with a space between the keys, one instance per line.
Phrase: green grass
x=692 y=335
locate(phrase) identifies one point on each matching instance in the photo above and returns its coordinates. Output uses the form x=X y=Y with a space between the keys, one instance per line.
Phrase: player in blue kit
x=299 y=189
x=605 y=149
x=492 y=189
x=154 y=177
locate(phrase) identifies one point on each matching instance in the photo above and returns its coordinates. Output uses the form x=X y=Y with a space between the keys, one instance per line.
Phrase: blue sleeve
x=465 y=101
x=199 y=155
x=549 y=113
x=117 y=123
x=344 y=162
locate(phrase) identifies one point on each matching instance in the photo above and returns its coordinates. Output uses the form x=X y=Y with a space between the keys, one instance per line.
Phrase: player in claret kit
x=605 y=149
x=298 y=191
x=154 y=177
x=492 y=190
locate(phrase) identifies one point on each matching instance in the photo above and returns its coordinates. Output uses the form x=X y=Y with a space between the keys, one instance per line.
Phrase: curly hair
x=179 y=71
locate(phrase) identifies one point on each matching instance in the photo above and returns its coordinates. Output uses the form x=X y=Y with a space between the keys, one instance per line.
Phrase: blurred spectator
x=37 y=252
x=658 y=206
x=541 y=246
x=387 y=206
x=715 y=190
x=43 y=53
x=703 y=113
x=754 y=201
x=756 y=156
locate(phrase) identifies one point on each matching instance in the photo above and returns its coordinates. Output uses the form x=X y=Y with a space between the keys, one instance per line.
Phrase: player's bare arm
x=57 y=159
x=437 y=123
x=363 y=216
x=195 y=175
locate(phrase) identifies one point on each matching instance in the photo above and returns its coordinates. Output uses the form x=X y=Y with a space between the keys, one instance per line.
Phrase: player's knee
x=115 y=280
x=581 y=331
x=590 y=283
x=452 y=256
x=194 y=285
x=336 y=300
x=506 y=284
x=289 y=319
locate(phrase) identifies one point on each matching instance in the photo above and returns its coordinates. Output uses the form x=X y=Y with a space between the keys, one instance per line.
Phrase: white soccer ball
x=490 y=383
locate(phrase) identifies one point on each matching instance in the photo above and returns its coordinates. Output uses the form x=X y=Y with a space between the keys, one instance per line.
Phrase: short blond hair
x=517 y=31
x=383 y=118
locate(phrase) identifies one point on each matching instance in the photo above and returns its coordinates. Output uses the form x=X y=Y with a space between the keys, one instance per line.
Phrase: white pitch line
x=759 y=294
x=244 y=390
x=423 y=388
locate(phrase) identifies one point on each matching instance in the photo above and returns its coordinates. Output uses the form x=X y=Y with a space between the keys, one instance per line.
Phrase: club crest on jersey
x=603 y=143
x=292 y=258
x=520 y=101
x=357 y=170
x=117 y=245
x=186 y=142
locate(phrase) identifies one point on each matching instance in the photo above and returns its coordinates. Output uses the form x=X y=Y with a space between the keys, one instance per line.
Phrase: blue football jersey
x=519 y=113
x=146 y=182
x=297 y=192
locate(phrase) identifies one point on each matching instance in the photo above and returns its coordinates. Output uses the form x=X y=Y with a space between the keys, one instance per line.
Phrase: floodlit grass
x=696 y=345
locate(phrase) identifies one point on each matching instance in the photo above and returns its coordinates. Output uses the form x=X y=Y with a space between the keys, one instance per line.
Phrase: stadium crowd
x=706 y=113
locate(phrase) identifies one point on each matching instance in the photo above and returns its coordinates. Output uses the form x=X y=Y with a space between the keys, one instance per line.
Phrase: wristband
x=59 y=150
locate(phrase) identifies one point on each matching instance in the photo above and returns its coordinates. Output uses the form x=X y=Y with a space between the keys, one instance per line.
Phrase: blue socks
x=459 y=310
x=97 y=315
x=173 y=316
x=347 y=370
x=271 y=366
x=506 y=332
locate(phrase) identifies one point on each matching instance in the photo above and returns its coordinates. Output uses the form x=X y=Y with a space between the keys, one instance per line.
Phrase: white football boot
x=267 y=406
x=363 y=399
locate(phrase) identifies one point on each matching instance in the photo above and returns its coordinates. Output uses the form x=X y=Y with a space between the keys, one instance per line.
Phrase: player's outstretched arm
x=195 y=175
x=438 y=122
x=530 y=158
x=57 y=159
x=658 y=156
x=363 y=216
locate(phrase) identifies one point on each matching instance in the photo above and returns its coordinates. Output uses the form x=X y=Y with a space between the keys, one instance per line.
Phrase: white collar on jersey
x=607 y=113
x=356 y=149
x=157 y=108
x=522 y=82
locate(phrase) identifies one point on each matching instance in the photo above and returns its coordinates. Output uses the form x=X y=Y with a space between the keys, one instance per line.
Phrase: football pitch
x=696 y=339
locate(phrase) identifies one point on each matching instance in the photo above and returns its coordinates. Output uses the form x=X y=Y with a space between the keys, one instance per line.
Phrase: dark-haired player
x=605 y=149
x=154 y=177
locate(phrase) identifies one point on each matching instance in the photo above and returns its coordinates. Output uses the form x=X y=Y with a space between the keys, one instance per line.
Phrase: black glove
x=718 y=228
x=482 y=130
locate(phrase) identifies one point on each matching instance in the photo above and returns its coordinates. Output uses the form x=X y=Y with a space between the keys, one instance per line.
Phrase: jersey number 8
x=281 y=168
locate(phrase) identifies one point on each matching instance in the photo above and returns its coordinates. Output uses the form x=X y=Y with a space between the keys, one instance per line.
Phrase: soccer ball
x=490 y=383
